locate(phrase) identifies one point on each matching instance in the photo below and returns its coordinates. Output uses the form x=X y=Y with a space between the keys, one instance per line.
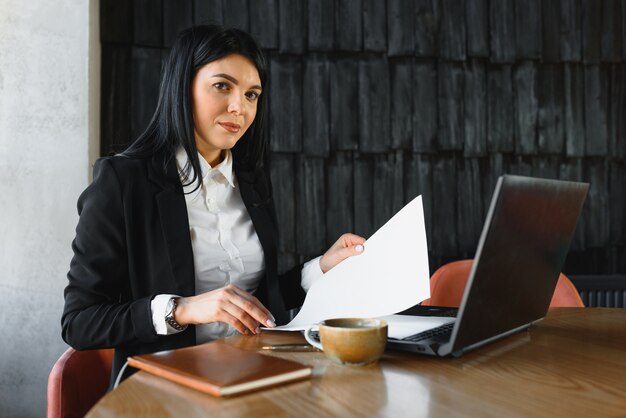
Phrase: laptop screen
x=519 y=257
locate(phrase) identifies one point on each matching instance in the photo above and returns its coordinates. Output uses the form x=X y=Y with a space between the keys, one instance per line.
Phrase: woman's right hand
x=230 y=305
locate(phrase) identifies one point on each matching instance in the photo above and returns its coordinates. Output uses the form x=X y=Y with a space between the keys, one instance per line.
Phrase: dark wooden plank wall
x=375 y=102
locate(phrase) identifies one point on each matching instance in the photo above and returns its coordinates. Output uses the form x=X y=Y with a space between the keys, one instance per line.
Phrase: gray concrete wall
x=46 y=140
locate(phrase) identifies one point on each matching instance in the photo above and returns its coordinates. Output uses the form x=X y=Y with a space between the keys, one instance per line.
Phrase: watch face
x=170 y=308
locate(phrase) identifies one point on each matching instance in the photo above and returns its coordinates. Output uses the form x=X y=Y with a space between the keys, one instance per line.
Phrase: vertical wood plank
x=401 y=104
x=546 y=166
x=475 y=109
x=522 y=165
x=363 y=196
x=551 y=30
x=264 y=22
x=207 y=12
x=374 y=26
x=286 y=104
x=500 y=102
x=528 y=40
x=291 y=24
x=235 y=14
x=571 y=169
x=321 y=21
x=494 y=166
x=388 y=187
x=477 y=24
x=177 y=16
x=115 y=100
x=116 y=22
x=147 y=27
x=344 y=87
x=374 y=124
x=617 y=111
x=424 y=106
x=310 y=206
x=316 y=106
x=452 y=39
x=592 y=30
x=526 y=109
x=574 y=110
x=426 y=28
x=624 y=37
x=612 y=37
x=418 y=180
x=445 y=193
x=470 y=206
x=617 y=202
x=551 y=95
x=400 y=27
x=451 y=118
x=282 y=173
x=348 y=25
x=340 y=196
x=596 y=106
x=597 y=225
x=145 y=78
x=502 y=29
x=571 y=31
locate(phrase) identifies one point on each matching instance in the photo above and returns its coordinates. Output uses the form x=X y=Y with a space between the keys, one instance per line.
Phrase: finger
x=241 y=317
x=351 y=240
x=344 y=253
x=336 y=256
x=245 y=295
x=227 y=318
x=254 y=308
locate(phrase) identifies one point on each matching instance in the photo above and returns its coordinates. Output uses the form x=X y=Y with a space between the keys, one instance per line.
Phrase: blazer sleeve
x=99 y=312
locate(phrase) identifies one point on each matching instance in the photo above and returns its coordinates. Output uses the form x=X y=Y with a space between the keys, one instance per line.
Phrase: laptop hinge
x=446 y=349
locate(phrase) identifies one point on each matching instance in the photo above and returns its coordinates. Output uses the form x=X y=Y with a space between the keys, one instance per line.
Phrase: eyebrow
x=234 y=80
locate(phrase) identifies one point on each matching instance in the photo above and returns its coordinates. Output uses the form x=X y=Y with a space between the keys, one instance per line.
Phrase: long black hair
x=172 y=124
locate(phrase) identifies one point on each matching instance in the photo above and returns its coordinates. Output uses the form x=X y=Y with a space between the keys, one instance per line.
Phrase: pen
x=289 y=347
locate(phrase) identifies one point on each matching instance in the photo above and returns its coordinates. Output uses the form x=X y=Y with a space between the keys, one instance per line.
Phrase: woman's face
x=224 y=94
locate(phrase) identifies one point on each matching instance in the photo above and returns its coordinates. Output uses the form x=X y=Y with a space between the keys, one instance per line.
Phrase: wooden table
x=573 y=363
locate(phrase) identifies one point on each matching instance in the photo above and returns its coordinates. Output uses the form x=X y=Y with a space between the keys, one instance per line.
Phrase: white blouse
x=226 y=248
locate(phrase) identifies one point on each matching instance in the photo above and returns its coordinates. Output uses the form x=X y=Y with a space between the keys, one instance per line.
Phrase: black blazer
x=132 y=243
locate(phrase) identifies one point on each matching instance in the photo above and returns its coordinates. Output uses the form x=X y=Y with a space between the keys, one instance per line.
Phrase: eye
x=221 y=85
x=252 y=95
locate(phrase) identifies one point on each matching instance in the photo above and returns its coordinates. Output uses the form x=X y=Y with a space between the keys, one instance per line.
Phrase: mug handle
x=309 y=338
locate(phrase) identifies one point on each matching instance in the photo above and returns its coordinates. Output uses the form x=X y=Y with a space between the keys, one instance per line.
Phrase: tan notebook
x=220 y=369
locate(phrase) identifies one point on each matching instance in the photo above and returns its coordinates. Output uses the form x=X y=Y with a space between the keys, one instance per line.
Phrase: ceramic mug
x=353 y=341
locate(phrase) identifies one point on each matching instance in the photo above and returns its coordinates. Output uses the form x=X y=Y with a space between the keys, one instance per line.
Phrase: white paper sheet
x=401 y=326
x=391 y=275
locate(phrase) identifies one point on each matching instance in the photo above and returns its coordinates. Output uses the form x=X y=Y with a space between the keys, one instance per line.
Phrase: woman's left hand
x=346 y=246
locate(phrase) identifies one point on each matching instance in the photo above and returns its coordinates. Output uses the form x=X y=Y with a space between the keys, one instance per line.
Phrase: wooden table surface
x=573 y=363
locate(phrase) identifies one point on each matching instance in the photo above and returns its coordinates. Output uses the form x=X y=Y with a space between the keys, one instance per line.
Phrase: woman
x=176 y=242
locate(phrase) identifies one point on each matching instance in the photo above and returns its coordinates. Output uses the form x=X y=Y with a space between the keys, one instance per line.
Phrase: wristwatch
x=169 y=316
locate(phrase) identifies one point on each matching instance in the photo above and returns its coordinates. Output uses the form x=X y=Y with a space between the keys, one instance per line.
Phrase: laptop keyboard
x=441 y=330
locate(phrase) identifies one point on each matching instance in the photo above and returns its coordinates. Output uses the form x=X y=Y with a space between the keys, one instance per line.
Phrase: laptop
x=518 y=260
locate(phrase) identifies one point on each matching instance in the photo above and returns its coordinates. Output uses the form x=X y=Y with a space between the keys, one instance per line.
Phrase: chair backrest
x=77 y=381
x=448 y=284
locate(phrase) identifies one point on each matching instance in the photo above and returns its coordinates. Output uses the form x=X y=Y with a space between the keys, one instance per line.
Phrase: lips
x=230 y=127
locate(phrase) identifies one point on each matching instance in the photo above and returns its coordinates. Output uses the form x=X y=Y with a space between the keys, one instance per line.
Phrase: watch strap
x=169 y=316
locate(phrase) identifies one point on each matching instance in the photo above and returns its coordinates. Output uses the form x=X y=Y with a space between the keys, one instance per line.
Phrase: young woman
x=177 y=238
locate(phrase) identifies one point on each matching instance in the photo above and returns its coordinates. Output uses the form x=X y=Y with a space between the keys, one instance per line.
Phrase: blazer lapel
x=175 y=224
x=256 y=196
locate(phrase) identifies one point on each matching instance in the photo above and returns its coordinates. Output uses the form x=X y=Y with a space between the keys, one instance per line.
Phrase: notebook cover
x=220 y=369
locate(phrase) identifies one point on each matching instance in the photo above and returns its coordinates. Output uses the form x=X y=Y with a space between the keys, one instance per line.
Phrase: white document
x=401 y=326
x=391 y=275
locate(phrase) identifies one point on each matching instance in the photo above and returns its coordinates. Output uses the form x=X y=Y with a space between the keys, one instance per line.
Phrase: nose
x=235 y=105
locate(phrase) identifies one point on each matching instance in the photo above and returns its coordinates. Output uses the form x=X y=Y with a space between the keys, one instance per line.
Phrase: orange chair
x=77 y=381
x=448 y=284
